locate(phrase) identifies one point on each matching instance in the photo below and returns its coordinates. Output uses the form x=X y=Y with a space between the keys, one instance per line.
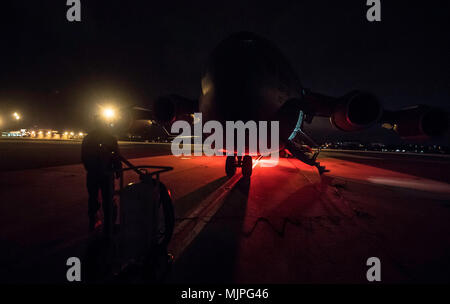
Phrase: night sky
x=55 y=72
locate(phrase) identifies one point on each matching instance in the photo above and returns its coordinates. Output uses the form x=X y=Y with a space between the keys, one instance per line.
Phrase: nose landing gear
x=244 y=162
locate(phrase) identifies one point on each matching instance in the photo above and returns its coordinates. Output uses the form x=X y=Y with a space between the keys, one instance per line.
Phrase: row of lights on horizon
x=107 y=113
x=50 y=133
x=16 y=116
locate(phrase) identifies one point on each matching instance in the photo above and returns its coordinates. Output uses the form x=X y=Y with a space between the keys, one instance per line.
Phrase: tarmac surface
x=16 y=154
x=286 y=225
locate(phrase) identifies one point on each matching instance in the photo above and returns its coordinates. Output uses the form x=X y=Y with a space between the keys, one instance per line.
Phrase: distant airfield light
x=16 y=116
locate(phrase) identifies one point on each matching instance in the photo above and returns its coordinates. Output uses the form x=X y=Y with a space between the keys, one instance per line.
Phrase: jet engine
x=417 y=122
x=352 y=112
x=167 y=109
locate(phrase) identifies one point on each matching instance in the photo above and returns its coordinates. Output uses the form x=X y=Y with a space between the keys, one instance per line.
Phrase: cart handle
x=137 y=168
x=138 y=171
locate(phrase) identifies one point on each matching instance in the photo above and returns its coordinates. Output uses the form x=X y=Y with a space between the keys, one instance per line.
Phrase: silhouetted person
x=99 y=153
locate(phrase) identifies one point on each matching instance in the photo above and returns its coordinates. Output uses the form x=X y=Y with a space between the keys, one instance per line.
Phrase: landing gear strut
x=244 y=162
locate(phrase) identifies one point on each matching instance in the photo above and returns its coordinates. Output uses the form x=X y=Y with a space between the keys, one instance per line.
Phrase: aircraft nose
x=237 y=74
x=246 y=77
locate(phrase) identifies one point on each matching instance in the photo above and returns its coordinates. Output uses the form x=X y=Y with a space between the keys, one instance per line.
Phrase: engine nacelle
x=356 y=111
x=352 y=112
x=167 y=109
x=417 y=122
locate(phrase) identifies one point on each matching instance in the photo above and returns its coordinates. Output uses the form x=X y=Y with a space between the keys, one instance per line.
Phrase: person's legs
x=93 y=186
x=107 y=189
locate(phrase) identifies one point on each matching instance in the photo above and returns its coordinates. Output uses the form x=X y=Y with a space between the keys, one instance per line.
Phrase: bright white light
x=109 y=113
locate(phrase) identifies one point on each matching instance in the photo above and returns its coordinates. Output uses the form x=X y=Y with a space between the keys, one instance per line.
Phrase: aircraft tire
x=247 y=166
x=230 y=166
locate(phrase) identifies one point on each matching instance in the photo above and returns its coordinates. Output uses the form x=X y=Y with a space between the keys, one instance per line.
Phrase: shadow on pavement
x=212 y=255
x=190 y=200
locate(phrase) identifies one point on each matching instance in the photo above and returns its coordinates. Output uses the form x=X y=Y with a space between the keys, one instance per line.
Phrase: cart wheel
x=168 y=216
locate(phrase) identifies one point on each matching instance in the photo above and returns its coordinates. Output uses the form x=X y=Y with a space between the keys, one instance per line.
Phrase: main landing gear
x=245 y=163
